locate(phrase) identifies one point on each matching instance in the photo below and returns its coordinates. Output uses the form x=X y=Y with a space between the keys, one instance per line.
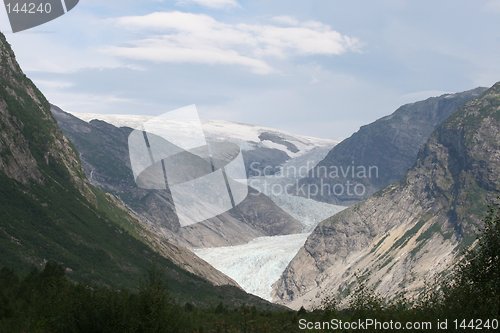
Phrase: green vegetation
x=474 y=287
x=408 y=235
x=380 y=242
x=46 y=301
x=97 y=246
x=427 y=234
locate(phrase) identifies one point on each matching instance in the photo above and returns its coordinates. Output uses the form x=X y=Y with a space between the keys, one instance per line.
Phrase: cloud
x=162 y=50
x=180 y=37
x=52 y=84
x=492 y=6
x=56 y=57
x=211 y=3
x=84 y=103
x=68 y=47
x=287 y=20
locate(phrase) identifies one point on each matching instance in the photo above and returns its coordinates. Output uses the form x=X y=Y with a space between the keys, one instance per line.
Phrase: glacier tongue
x=257 y=264
x=308 y=211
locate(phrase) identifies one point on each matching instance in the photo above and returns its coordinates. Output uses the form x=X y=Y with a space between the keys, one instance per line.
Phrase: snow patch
x=247 y=136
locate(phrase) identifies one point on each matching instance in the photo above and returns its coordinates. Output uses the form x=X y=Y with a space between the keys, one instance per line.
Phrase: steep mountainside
x=389 y=146
x=412 y=231
x=48 y=210
x=103 y=149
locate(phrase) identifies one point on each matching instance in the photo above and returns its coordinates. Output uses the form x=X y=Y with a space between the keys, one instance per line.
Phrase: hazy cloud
x=199 y=38
x=493 y=5
x=58 y=57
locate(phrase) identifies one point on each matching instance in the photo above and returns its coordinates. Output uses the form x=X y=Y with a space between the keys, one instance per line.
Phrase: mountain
x=50 y=212
x=380 y=153
x=249 y=137
x=104 y=153
x=411 y=232
x=267 y=148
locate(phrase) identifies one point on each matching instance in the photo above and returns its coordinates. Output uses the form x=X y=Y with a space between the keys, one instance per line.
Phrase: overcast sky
x=319 y=68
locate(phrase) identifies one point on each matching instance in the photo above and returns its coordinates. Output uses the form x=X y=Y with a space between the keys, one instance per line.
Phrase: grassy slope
x=53 y=223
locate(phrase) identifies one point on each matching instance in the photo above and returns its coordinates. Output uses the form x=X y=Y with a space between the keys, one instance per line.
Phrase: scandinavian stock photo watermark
x=310 y=180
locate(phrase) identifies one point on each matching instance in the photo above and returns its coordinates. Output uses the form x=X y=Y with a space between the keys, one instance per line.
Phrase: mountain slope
x=104 y=153
x=412 y=231
x=48 y=210
x=389 y=145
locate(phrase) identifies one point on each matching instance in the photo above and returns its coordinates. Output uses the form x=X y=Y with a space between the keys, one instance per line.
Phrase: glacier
x=255 y=266
x=247 y=136
x=307 y=211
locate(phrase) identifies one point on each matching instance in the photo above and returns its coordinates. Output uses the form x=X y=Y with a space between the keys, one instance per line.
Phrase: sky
x=317 y=68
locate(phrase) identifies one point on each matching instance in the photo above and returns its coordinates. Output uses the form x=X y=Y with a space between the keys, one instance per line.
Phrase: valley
x=253 y=257
x=241 y=166
x=257 y=243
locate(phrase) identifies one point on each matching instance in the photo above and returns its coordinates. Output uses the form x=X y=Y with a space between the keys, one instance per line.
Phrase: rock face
x=28 y=145
x=104 y=153
x=49 y=211
x=411 y=231
x=387 y=148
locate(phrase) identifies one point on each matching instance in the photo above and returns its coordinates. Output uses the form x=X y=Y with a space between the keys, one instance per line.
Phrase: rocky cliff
x=412 y=231
x=387 y=148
